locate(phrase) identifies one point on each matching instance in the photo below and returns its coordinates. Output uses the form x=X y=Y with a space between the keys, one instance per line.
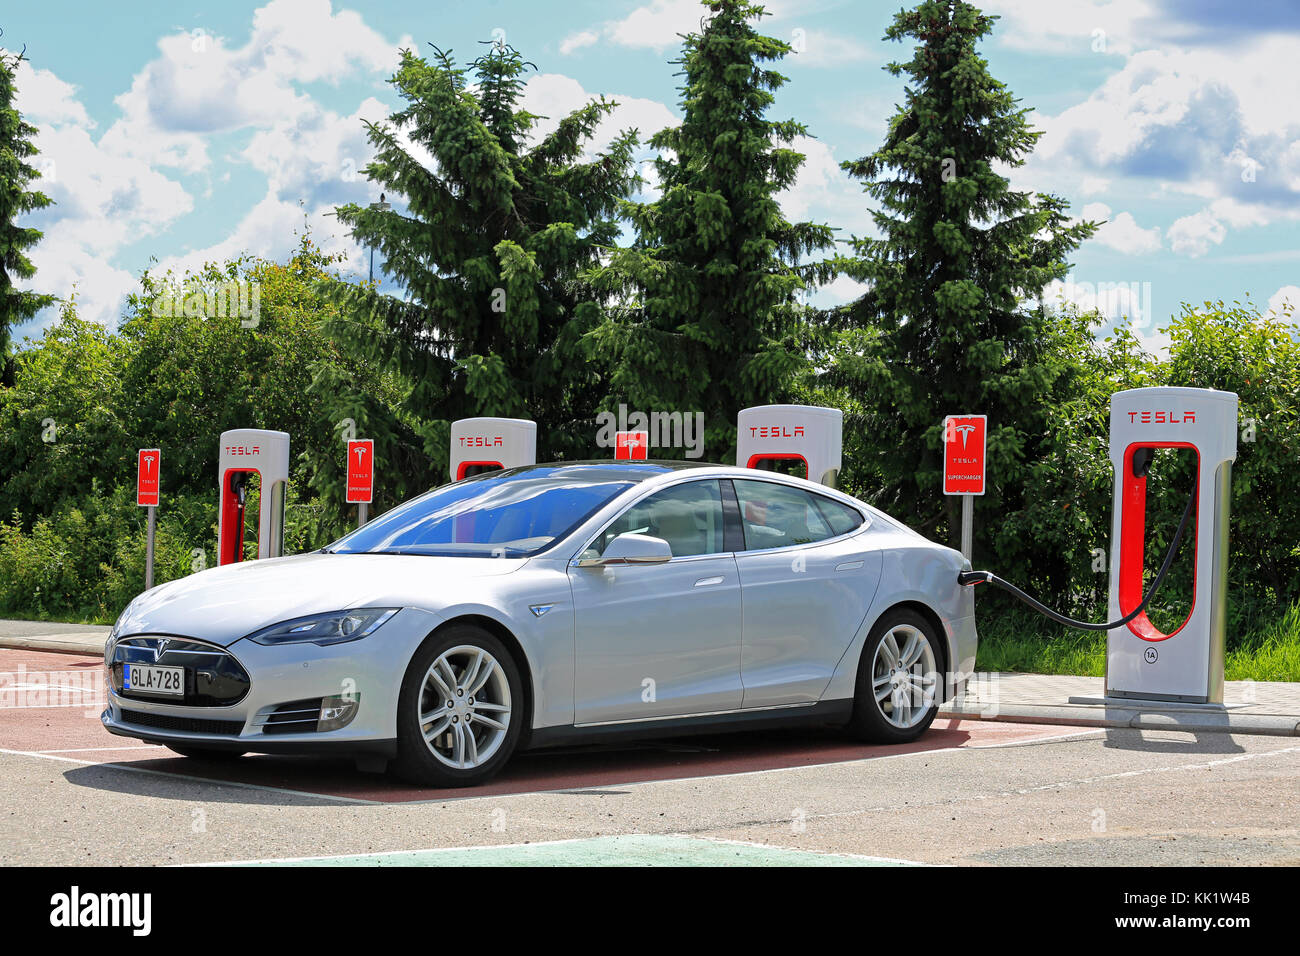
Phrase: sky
x=175 y=133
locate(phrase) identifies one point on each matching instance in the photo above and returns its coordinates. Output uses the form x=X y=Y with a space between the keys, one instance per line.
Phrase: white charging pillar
x=489 y=444
x=804 y=440
x=245 y=451
x=1141 y=660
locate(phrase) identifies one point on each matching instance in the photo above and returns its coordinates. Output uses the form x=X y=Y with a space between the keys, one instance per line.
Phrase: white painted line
x=191 y=777
x=1038 y=740
x=84 y=750
x=790 y=849
x=752 y=773
x=389 y=853
x=1061 y=784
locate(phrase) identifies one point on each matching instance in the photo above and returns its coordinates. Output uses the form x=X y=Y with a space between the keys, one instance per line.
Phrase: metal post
x=967 y=525
x=363 y=514
x=148 y=550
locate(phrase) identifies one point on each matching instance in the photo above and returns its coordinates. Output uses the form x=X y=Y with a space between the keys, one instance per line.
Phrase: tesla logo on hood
x=160 y=649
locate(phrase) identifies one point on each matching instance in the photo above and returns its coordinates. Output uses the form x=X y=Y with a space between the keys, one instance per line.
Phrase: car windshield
x=514 y=514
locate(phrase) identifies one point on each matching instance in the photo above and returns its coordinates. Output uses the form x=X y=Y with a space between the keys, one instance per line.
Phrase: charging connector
x=972 y=578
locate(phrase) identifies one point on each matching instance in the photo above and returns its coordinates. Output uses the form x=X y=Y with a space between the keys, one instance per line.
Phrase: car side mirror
x=631 y=548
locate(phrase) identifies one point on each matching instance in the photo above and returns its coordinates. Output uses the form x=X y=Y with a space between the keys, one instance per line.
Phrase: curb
x=1272 y=725
x=58 y=643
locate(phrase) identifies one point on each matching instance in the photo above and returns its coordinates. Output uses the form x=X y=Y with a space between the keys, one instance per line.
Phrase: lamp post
x=380 y=206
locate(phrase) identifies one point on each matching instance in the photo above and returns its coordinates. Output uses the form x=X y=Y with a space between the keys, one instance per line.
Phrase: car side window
x=777 y=516
x=688 y=517
x=840 y=517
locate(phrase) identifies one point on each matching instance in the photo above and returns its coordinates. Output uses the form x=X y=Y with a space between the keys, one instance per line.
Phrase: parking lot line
x=637 y=849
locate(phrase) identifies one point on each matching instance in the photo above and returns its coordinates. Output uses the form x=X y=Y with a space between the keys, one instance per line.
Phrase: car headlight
x=333 y=627
x=116 y=632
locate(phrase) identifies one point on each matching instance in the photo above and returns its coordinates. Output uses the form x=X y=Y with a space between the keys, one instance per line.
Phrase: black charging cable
x=971 y=578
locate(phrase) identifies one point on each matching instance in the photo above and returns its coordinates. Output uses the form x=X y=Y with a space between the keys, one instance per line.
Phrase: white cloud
x=820 y=48
x=1080 y=26
x=576 y=41
x=1193 y=235
x=103 y=201
x=657 y=26
x=822 y=192
x=1121 y=231
x=661 y=24
x=199 y=85
x=1287 y=295
x=554 y=96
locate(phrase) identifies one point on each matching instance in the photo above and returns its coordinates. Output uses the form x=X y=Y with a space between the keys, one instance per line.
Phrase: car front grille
x=213 y=677
x=191 y=725
x=295 y=717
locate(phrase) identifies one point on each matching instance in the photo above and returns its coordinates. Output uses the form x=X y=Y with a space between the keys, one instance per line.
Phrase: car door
x=660 y=640
x=806 y=583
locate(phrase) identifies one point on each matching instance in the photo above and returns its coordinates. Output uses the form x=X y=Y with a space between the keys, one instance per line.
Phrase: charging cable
x=971 y=578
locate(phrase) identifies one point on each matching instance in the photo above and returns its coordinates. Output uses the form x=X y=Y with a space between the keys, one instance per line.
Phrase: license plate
x=154 y=679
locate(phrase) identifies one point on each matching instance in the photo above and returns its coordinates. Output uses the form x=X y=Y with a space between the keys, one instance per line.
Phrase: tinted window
x=688 y=517
x=777 y=516
x=503 y=514
x=840 y=517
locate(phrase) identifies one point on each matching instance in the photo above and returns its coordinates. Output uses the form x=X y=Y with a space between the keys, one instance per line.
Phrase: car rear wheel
x=460 y=711
x=206 y=753
x=898 y=680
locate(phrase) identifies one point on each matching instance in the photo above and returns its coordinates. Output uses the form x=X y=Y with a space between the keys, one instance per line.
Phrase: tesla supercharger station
x=488 y=444
x=244 y=452
x=776 y=437
x=1142 y=661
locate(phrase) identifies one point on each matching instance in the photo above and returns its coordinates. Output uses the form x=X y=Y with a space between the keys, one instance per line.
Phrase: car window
x=840 y=517
x=777 y=516
x=688 y=517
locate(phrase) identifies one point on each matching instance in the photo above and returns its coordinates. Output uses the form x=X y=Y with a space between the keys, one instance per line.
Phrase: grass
x=1020 y=640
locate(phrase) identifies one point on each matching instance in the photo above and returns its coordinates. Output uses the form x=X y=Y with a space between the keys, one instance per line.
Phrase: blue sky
x=186 y=132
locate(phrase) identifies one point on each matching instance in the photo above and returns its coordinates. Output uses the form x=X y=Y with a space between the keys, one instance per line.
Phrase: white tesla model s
x=554 y=604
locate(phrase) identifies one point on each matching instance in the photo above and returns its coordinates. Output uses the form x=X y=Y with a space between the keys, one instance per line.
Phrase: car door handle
x=705 y=582
x=849 y=566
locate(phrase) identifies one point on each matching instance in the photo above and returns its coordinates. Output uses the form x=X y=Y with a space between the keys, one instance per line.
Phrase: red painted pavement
x=72 y=730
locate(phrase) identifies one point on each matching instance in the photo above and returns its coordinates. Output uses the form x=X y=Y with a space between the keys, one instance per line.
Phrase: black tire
x=416 y=761
x=871 y=719
x=207 y=753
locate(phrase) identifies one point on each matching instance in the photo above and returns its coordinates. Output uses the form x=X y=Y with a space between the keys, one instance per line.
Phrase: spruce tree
x=487 y=257
x=950 y=323
x=710 y=319
x=16 y=199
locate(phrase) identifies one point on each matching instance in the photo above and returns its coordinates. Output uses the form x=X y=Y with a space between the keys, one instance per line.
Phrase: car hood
x=223 y=604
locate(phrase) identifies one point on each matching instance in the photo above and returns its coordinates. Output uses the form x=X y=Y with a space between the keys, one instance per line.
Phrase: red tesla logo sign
x=361 y=471
x=963 y=454
x=631 y=446
x=146 y=482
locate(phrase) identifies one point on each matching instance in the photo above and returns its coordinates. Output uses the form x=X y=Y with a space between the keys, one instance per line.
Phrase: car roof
x=599 y=469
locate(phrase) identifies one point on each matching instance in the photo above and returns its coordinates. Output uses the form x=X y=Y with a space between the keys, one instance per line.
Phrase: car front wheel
x=460 y=710
x=898 y=689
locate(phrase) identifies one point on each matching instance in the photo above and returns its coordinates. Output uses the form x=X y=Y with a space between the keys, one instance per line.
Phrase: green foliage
x=16 y=199
x=489 y=257
x=711 y=320
x=949 y=324
x=1236 y=348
